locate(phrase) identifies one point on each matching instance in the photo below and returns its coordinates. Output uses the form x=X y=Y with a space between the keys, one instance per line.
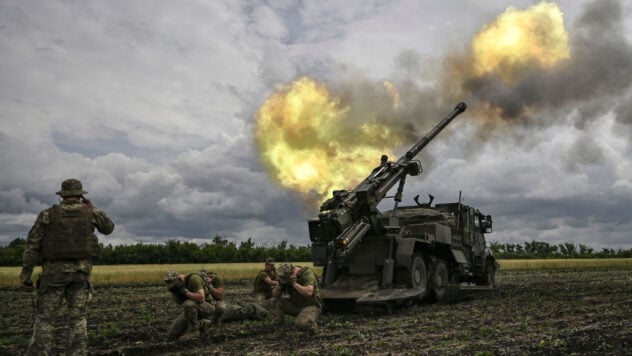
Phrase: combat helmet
x=171 y=278
x=71 y=187
x=284 y=270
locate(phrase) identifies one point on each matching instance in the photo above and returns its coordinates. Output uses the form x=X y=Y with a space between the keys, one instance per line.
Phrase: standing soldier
x=304 y=302
x=265 y=282
x=62 y=240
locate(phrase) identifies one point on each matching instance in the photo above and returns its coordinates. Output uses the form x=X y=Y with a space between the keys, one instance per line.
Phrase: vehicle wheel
x=417 y=276
x=440 y=280
x=489 y=279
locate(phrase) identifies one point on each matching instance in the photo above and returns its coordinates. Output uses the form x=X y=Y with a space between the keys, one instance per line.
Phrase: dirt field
x=587 y=312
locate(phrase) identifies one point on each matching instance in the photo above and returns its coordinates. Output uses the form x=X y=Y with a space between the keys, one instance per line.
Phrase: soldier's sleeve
x=217 y=282
x=195 y=283
x=102 y=222
x=32 y=252
x=308 y=278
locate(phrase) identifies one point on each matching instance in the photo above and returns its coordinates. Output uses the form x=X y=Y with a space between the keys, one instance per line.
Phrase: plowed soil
x=585 y=312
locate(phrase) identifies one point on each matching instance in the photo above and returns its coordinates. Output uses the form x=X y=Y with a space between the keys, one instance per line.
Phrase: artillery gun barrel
x=399 y=172
x=413 y=151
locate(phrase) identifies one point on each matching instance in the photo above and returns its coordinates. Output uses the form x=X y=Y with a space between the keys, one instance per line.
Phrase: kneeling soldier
x=304 y=302
x=265 y=282
x=228 y=313
x=215 y=294
x=191 y=292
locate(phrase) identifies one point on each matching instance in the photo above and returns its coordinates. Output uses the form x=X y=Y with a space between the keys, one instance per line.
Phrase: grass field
x=557 y=311
x=510 y=265
x=134 y=274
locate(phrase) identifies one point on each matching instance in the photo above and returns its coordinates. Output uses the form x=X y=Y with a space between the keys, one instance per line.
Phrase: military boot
x=193 y=332
x=217 y=319
x=277 y=314
x=205 y=326
x=260 y=312
x=218 y=314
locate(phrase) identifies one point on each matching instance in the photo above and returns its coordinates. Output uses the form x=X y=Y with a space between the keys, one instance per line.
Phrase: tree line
x=219 y=250
x=541 y=249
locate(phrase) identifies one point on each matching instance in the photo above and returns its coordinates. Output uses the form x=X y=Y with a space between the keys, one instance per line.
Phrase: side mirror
x=488 y=223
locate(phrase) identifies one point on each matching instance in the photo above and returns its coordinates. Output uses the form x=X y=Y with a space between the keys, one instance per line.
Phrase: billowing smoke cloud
x=523 y=69
x=592 y=81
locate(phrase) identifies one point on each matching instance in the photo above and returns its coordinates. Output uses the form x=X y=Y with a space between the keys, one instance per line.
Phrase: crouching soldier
x=191 y=292
x=265 y=282
x=215 y=291
x=304 y=302
x=227 y=313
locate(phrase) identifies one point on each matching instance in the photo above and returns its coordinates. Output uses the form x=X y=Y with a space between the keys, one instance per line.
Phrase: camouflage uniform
x=244 y=311
x=228 y=313
x=263 y=290
x=220 y=306
x=305 y=309
x=67 y=278
x=192 y=311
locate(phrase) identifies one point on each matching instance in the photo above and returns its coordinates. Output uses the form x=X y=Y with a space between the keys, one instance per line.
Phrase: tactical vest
x=69 y=235
x=207 y=291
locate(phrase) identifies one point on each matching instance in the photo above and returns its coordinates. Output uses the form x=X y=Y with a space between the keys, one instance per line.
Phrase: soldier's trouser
x=192 y=311
x=52 y=290
x=260 y=297
x=244 y=312
x=306 y=316
x=220 y=309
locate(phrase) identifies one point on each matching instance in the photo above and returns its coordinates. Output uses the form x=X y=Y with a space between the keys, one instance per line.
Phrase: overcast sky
x=153 y=104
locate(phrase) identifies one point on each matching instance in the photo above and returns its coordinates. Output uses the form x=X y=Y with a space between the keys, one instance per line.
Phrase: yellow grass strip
x=138 y=274
x=565 y=263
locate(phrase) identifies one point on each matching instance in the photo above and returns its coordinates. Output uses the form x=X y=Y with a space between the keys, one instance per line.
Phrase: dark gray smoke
x=595 y=80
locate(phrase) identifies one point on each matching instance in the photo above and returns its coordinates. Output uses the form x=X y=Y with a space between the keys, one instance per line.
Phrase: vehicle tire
x=440 y=280
x=417 y=276
x=489 y=278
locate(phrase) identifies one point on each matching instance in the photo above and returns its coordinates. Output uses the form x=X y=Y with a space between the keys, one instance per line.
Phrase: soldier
x=228 y=313
x=193 y=294
x=62 y=240
x=215 y=286
x=244 y=311
x=265 y=282
x=304 y=302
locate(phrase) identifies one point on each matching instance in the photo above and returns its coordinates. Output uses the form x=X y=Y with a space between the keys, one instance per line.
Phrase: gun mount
x=373 y=257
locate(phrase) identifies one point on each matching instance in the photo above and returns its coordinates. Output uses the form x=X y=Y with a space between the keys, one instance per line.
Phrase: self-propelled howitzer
x=367 y=255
